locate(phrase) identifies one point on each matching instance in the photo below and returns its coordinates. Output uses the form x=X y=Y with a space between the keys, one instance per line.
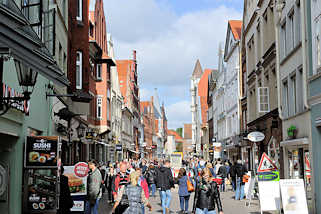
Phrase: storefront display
x=41 y=174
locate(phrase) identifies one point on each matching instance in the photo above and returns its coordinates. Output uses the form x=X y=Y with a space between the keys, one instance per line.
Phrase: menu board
x=41 y=152
x=41 y=191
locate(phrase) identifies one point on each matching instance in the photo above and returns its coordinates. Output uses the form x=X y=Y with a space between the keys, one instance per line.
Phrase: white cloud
x=178 y=113
x=167 y=45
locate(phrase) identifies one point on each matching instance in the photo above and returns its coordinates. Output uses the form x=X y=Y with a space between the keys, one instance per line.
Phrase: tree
x=179 y=131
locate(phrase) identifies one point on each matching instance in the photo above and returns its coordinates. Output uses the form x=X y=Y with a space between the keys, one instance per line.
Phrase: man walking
x=121 y=179
x=165 y=182
x=94 y=191
x=240 y=171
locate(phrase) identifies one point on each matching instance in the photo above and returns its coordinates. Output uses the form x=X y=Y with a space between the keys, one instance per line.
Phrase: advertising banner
x=77 y=181
x=217 y=150
x=41 y=152
x=293 y=196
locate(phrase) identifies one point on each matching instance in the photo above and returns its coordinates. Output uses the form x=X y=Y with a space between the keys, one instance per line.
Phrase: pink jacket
x=143 y=183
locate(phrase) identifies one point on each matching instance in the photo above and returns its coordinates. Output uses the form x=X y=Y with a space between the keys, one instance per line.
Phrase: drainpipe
x=304 y=55
x=277 y=16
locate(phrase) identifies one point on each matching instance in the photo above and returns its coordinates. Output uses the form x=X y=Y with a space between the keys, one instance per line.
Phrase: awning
x=295 y=142
x=110 y=61
x=24 y=44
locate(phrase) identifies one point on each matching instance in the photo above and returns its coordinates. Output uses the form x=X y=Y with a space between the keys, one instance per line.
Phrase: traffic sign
x=266 y=164
x=269 y=176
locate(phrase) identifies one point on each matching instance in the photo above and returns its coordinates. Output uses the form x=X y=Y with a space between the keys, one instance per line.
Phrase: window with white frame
x=294 y=95
x=99 y=108
x=79 y=10
x=263 y=99
x=79 y=70
x=98 y=71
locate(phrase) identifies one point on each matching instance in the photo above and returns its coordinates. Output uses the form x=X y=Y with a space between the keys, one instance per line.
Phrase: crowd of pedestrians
x=130 y=185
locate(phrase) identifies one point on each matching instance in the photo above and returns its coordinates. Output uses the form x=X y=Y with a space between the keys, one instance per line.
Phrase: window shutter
x=263 y=99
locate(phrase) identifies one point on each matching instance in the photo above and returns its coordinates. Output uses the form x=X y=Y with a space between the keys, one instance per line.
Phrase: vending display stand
x=41 y=174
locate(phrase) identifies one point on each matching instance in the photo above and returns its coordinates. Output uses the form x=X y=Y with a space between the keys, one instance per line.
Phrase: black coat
x=150 y=176
x=206 y=196
x=65 y=200
x=232 y=171
x=164 y=178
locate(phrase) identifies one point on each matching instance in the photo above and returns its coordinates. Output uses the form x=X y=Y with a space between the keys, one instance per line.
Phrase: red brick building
x=187 y=140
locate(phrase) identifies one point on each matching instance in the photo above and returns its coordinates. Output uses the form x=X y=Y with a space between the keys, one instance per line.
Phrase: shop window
x=79 y=70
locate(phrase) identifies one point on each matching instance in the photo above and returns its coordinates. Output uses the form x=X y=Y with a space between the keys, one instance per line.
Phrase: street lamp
x=26 y=78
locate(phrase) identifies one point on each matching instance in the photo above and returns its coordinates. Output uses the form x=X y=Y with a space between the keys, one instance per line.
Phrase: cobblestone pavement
x=230 y=206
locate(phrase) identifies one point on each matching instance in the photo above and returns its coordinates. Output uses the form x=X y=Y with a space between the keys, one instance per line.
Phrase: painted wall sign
x=256 y=136
x=22 y=106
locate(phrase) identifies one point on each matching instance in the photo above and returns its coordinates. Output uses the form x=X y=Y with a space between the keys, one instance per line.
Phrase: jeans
x=233 y=183
x=183 y=200
x=222 y=186
x=239 y=193
x=205 y=211
x=152 y=188
x=92 y=209
x=166 y=197
x=143 y=209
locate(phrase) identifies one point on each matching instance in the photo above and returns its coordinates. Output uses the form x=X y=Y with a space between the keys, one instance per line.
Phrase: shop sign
x=77 y=178
x=255 y=136
x=293 y=196
x=217 y=150
x=119 y=147
x=41 y=152
x=22 y=106
x=269 y=176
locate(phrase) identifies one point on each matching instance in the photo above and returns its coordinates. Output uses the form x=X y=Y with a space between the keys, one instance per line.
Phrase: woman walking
x=151 y=179
x=207 y=195
x=134 y=194
x=183 y=193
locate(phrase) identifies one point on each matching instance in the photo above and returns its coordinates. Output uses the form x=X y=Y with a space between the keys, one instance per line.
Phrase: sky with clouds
x=169 y=36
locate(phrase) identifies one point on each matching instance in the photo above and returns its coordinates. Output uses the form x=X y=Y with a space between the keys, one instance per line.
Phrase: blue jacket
x=182 y=186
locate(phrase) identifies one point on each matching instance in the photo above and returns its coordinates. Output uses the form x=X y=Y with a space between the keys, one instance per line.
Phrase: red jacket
x=144 y=186
x=119 y=180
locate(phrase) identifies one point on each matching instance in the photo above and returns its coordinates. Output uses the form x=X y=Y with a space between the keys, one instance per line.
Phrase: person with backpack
x=121 y=179
x=133 y=194
x=222 y=172
x=240 y=170
x=151 y=179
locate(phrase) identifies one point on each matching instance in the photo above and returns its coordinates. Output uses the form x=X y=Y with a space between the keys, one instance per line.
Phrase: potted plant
x=292 y=132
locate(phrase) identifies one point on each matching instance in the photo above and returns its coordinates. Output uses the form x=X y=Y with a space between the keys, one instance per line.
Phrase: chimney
x=134 y=55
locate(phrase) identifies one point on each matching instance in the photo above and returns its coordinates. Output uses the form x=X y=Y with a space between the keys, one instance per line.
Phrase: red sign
x=22 y=106
x=266 y=164
x=81 y=169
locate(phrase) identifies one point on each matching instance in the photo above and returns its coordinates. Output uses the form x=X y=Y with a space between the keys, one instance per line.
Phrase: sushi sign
x=41 y=152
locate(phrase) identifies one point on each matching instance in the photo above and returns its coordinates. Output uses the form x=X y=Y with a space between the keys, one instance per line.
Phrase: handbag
x=190 y=186
x=245 y=178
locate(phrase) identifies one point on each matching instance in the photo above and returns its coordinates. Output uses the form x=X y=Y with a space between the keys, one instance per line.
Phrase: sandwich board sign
x=270 y=198
x=293 y=196
x=266 y=164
